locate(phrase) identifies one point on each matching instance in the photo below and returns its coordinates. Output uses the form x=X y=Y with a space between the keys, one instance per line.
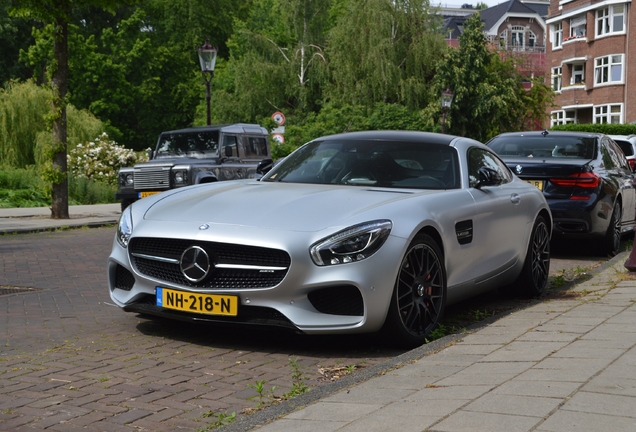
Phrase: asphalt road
x=67 y=355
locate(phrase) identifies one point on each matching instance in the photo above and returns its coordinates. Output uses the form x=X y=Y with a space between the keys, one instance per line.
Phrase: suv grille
x=219 y=253
x=155 y=177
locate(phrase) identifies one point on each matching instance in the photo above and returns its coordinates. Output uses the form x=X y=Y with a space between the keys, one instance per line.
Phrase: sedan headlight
x=125 y=227
x=353 y=244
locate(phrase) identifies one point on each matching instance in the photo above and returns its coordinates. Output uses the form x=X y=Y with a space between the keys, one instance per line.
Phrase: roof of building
x=492 y=15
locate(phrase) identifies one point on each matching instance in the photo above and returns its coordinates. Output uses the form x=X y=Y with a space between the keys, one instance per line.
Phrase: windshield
x=202 y=144
x=544 y=147
x=390 y=164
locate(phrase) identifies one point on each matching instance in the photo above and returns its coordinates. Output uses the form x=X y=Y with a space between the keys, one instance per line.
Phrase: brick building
x=587 y=59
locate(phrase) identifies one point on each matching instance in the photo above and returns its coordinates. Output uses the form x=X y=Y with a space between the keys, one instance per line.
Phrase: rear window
x=544 y=147
x=626 y=146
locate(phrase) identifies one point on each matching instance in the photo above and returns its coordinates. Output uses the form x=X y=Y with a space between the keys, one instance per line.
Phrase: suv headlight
x=126 y=179
x=125 y=227
x=180 y=177
x=353 y=244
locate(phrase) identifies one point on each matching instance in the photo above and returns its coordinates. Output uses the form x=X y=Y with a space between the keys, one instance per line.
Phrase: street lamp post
x=447 y=100
x=207 y=59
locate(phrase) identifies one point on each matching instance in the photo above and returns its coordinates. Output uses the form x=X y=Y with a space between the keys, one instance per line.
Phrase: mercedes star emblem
x=195 y=264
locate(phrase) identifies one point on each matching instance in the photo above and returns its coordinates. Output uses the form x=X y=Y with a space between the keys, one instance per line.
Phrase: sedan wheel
x=613 y=234
x=419 y=295
x=536 y=269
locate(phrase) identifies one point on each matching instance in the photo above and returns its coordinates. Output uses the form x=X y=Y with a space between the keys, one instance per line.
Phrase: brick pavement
x=71 y=361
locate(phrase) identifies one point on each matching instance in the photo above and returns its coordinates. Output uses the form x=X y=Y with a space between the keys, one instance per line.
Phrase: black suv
x=196 y=155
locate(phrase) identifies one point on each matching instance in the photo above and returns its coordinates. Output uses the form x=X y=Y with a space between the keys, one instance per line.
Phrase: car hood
x=285 y=206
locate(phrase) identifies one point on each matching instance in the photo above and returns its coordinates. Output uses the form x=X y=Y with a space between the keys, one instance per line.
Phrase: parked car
x=627 y=143
x=585 y=179
x=351 y=233
x=196 y=155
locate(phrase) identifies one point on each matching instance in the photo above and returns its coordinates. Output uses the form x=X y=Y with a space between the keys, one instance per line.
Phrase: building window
x=531 y=39
x=562 y=117
x=556 y=78
x=608 y=113
x=517 y=36
x=577 y=26
x=557 y=35
x=608 y=69
x=578 y=74
x=610 y=20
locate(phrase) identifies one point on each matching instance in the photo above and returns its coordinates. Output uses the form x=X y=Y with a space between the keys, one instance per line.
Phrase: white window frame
x=563 y=117
x=557 y=78
x=610 y=20
x=580 y=74
x=557 y=35
x=520 y=32
x=578 y=26
x=610 y=113
x=606 y=68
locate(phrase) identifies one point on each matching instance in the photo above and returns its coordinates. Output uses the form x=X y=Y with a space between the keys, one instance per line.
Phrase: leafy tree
x=489 y=93
x=58 y=13
x=384 y=51
x=15 y=34
x=276 y=55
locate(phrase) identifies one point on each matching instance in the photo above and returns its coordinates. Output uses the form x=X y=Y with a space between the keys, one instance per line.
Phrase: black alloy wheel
x=419 y=296
x=613 y=235
x=536 y=269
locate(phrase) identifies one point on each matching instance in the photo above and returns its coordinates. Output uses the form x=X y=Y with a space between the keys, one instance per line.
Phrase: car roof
x=228 y=128
x=391 y=135
x=551 y=134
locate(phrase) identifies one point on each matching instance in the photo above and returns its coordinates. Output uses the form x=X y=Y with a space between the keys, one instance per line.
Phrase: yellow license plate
x=210 y=304
x=537 y=183
x=147 y=194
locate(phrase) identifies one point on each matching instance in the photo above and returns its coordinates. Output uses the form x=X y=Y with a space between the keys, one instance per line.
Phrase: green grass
x=23 y=187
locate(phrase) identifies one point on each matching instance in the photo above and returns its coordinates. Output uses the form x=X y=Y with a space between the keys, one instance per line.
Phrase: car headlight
x=126 y=179
x=180 y=178
x=353 y=244
x=125 y=227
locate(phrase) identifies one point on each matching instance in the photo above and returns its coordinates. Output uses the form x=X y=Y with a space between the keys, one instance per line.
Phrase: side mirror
x=150 y=153
x=264 y=167
x=488 y=177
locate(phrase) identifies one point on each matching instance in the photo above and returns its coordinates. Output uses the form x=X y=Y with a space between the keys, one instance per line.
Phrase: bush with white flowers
x=101 y=159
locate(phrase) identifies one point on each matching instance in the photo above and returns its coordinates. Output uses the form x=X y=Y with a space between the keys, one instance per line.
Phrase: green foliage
x=84 y=191
x=24 y=135
x=221 y=419
x=101 y=159
x=606 y=128
x=489 y=94
x=384 y=51
x=298 y=385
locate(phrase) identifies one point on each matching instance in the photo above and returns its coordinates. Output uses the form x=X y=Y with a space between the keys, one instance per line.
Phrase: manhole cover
x=6 y=290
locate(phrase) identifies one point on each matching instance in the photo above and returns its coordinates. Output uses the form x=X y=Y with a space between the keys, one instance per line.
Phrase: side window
x=255 y=147
x=478 y=158
x=609 y=160
x=617 y=155
x=230 y=148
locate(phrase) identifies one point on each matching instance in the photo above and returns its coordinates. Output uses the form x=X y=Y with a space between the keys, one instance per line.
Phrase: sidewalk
x=561 y=365
x=23 y=220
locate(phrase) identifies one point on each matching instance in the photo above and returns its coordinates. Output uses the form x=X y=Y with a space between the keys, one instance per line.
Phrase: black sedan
x=585 y=179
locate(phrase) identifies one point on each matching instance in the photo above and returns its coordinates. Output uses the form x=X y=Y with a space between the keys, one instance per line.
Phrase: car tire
x=536 y=268
x=419 y=294
x=612 y=241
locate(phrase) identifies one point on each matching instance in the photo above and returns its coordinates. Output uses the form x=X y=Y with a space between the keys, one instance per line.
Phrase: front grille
x=338 y=300
x=220 y=253
x=155 y=178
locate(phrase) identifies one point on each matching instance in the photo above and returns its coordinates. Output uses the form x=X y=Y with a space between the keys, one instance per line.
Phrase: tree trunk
x=59 y=82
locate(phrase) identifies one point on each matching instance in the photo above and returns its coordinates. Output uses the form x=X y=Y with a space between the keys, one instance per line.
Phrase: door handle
x=515 y=198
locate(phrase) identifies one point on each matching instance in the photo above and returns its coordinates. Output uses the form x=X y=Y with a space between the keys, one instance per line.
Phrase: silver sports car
x=358 y=232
